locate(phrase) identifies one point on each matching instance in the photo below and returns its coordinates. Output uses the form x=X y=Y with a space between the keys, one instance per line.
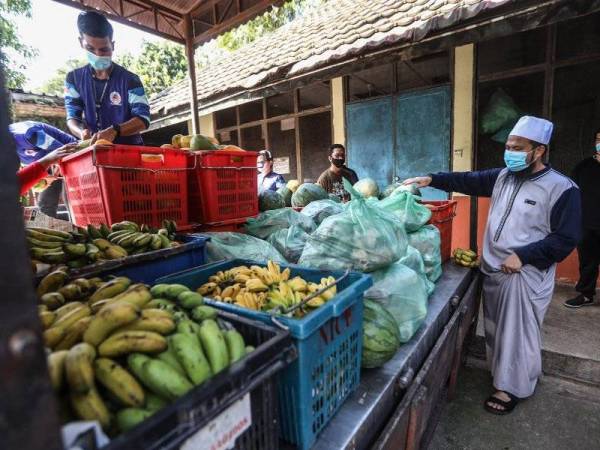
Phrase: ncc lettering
x=331 y=329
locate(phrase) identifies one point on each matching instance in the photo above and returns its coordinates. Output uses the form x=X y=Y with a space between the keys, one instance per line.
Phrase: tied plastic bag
x=413 y=260
x=269 y=222
x=362 y=238
x=402 y=292
x=428 y=241
x=289 y=242
x=500 y=112
x=231 y=245
x=404 y=205
x=320 y=210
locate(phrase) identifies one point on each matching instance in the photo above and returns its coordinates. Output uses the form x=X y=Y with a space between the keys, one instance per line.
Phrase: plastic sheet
x=402 y=292
x=427 y=241
x=405 y=206
x=269 y=222
x=320 y=210
x=289 y=242
x=413 y=260
x=231 y=245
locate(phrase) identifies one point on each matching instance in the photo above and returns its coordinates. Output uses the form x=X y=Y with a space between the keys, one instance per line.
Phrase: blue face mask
x=98 y=62
x=597 y=148
x=516 y=161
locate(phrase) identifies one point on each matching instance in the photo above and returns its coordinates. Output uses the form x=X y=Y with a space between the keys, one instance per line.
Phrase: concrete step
x=571 y=340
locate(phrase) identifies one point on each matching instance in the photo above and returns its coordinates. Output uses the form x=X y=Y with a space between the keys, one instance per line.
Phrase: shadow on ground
x=561 y=415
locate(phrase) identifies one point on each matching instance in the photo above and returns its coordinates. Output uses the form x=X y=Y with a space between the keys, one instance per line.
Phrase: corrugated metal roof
x=340 y=30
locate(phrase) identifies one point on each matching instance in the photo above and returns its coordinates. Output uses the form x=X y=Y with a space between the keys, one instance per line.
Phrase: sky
x=58 y=43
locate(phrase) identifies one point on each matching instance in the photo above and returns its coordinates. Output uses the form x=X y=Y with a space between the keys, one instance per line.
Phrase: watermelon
x=286 y=193
x=270 y=200
x=306 y=193
x=367 y=187
x=381 y=338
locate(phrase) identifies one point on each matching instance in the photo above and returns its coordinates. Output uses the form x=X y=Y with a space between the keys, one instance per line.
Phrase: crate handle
x=102 y=166
x=229 y=167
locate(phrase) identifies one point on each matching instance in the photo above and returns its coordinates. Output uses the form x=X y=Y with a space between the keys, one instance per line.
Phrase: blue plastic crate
x=148 y=267
x=329 y=343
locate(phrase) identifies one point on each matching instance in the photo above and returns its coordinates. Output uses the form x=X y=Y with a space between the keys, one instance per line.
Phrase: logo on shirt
x=30 y=152
x=115 y=98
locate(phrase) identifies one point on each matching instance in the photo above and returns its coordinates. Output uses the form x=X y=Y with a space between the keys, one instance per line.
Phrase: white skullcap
x=534 y=129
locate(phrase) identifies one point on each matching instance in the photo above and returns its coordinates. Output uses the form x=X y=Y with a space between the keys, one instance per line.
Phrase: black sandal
x=507 y=406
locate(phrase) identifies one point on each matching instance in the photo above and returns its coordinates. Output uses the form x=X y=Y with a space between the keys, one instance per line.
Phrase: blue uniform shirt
x=124 y=98
x=34 y=140
x=270 y=182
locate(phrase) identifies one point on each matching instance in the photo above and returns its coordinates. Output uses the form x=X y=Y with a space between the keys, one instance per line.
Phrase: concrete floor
x=561 y=416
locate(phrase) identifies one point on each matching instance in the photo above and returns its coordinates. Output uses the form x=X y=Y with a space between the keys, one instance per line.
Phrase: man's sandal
x=506 y=407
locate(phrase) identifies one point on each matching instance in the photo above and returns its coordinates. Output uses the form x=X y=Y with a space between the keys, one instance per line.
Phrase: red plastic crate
x=223 y=186
x=237 y=226
x=442 y=214
x=111 y=183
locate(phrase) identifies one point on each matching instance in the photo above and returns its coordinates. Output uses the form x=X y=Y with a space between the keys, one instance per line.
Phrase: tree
x=10 y=40
x=159 y=65
x=56 y=84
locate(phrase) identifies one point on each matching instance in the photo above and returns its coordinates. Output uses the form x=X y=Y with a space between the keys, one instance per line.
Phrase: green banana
x=142 y=240
x=214 y=345
x=200 y=313
x=156 y=242
x=154 y=402
x=104 y=230
x=50 y=232
x=189 y=299
x=235 y=345
x=173 y=291
x=93 y=233
x=170 y=358
x=50 y=257
x=43 y=244
x=159 y=290
x=159 y=377
x=125 y=225
x=191 y=357
x=32 y=233
x=188 y=327
x=129 y=418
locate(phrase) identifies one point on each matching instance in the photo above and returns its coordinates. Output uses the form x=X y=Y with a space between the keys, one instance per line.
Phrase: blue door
x=406 y=135
x=370 y=139
x=422 y=132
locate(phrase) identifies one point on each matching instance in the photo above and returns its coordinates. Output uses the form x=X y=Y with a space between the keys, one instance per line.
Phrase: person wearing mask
x=267 y=179
x=104 y=100
x=534 y=222
x=34 y=141
x=331 y=179
x=587 y=175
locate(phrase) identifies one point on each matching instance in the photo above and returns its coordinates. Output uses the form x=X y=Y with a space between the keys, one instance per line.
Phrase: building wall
x=338 y=116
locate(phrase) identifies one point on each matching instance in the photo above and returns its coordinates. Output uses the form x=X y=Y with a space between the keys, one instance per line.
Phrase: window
x=578 y=37
x=315 y=96
x=281 y=104
x=251 y=112
x=253 y=138
x=430 y=70
x=373 y=82
x=226 y=118
x=512 y=52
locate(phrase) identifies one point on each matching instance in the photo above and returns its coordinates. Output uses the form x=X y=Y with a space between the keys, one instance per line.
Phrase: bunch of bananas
x=466 y=258
x=123 y=351
x=89 y=245
x=265 y=288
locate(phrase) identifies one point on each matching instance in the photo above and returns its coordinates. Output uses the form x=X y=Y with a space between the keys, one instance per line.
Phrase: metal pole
x=189 y=53
x=28 y=412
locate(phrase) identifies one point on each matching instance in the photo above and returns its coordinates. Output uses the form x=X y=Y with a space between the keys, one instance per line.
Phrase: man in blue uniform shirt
x=104 y=100
x=534 y=223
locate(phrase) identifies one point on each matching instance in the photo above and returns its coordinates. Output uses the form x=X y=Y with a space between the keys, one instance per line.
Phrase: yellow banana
x=67 y=308
x=242 y=278
x=56 y=369
x=119 y=382
x=316 y=302
x=136 y=294
x=161 y=325
x=90 y=406
x=47 y=318
x=78 y=367
x=73 y=334
x=53 y=335
x=227 y=292
x=256 y=285
x=207 y=288
x=108 y=319
x=124 y=342
x=110 y=289
x=285 y=275
x=72 y=317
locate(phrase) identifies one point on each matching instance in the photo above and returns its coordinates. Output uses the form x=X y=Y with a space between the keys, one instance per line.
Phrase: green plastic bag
x=500 y=112
x=405 y=206
x=269 y=222
x=428 y=242
x=413 y=260
x=363 y=238
x=320 y=210
x=289 y=242
x=402 y=292
x=231 y=245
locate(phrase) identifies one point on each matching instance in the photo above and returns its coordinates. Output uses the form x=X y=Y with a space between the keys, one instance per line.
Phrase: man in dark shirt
x=331 y=179
x=587 y=176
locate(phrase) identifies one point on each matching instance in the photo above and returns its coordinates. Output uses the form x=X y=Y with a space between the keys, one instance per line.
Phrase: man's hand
x=85 y=134
x=421 y=182
x=58 y=154
x=108 y=134
x=512 y=264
